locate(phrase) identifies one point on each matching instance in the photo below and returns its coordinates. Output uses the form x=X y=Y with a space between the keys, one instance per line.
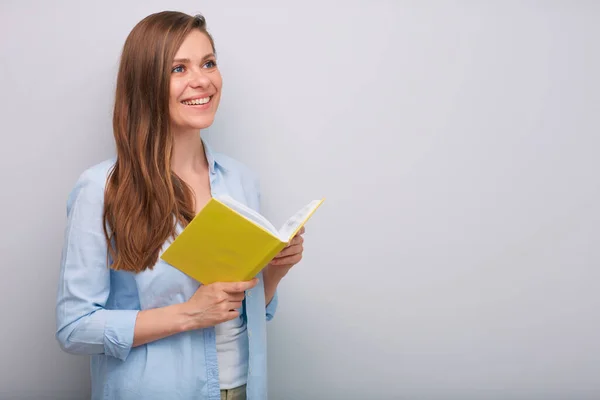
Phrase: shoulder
x=97 y=174
x=91 y=183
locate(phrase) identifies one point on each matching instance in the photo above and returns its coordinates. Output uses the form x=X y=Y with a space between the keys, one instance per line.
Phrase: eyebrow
x=187 y=60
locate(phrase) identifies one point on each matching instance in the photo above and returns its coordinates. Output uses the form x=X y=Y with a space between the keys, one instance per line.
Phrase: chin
x=203 y=124
x=195 y=125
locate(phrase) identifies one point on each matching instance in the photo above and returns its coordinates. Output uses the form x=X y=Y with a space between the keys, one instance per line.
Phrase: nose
x=198 y=79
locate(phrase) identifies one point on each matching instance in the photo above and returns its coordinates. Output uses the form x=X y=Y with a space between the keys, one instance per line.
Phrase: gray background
x=456 y=256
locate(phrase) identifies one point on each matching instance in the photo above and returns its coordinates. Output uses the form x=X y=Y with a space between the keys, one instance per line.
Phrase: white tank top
x=232 y=353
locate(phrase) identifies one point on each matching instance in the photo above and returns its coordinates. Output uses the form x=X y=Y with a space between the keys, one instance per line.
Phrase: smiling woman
x=151 y=331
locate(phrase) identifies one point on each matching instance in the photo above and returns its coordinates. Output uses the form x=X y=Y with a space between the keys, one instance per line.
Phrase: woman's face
x=195 y=84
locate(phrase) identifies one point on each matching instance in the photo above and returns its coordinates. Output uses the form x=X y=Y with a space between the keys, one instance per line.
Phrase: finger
x=236 y=296
x=295 y=240
x=301 y=231
x=292 y=249
x=289 y=260
x=227 y=306
x=234 y=305
x=288 y=251
x=232 y=314
x=239 y=287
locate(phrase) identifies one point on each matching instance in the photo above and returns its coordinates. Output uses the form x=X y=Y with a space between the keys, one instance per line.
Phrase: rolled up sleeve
x=272 y=307
x=84 y=324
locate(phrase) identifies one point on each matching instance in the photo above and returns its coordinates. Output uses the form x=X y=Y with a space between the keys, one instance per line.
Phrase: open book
x=228 y=241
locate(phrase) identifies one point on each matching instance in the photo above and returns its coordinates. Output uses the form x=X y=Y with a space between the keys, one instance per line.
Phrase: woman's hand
x=282 y=263
x=290 y=255
x=215 y=303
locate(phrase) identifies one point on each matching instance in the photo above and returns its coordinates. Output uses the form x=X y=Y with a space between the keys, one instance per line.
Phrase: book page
x=290 y=226
x=248 y=213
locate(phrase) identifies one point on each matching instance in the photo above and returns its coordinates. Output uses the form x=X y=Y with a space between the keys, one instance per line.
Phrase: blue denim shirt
x=97 y=307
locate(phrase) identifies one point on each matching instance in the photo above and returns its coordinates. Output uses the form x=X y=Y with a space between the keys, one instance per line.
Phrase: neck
x=188 y=153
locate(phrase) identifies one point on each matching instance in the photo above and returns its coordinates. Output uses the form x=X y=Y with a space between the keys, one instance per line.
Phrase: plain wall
x=456 y=255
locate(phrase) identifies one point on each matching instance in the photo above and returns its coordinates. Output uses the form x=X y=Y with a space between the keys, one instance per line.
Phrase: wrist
x=184 y=320
x=273 y=274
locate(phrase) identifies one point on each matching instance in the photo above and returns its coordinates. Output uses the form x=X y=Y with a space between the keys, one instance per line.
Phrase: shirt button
x=248 y=293
x=249 y=333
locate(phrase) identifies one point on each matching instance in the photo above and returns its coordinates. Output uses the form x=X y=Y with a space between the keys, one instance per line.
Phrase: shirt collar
x=211 y=157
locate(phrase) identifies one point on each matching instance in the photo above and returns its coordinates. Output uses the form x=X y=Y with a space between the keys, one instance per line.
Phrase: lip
x=198 y=97
x=198 y=106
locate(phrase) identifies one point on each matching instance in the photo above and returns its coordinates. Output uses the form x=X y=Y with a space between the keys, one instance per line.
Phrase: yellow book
x=230 y=242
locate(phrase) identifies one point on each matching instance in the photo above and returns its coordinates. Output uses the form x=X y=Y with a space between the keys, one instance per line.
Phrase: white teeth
x=196 y=102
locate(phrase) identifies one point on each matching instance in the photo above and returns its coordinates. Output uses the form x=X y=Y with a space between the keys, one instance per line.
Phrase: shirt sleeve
x=272 y=307
x=84 y=325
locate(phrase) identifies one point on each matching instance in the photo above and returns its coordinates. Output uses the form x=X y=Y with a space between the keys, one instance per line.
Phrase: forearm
x=158 y=323
x=271 y=277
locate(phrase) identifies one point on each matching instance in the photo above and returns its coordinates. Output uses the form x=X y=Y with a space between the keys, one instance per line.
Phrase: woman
x=153 y=332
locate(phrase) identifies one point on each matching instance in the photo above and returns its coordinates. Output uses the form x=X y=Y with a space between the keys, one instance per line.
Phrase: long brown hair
x=144 y=200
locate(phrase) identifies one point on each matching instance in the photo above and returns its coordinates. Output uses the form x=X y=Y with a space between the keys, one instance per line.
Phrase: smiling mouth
x=197 y=102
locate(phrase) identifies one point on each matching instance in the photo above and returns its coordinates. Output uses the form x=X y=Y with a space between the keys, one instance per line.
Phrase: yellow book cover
x=229 y=242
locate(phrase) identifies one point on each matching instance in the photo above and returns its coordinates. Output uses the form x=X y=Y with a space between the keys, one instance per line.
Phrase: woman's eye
x=210 y=64
x=178 y=68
